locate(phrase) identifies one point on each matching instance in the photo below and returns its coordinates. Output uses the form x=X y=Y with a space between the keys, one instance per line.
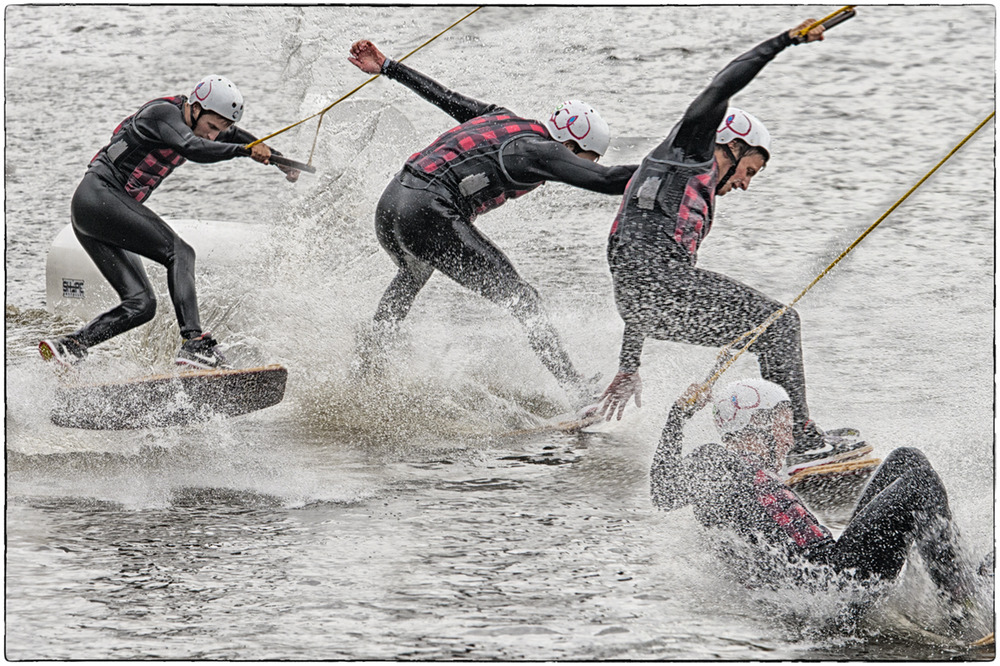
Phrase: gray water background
x=394 y=519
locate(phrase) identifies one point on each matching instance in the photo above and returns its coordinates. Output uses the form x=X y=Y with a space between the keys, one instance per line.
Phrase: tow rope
x=730 y=356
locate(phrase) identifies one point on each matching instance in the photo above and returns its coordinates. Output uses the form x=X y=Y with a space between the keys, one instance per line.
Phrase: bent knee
x=523 y=301
x=791 y=319
x=140 y=308
x=908 y=456
x=183 y=252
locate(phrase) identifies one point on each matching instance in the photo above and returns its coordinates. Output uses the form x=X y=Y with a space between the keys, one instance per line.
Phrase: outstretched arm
x=535 y=159
x=669 y=481
x=696 y=132
x=366 y=57
x=164 y=124
x=260 y=152
x=627 y=383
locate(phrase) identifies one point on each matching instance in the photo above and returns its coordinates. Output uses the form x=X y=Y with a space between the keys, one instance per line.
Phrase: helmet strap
x=734 y=161
x=194 y=120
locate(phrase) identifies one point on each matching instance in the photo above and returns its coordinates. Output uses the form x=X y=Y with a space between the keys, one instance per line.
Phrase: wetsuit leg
x=391 y=212
x=427 y=231
x=904 y=503
x=113 y=228
x=682 y=303
x=127 y=276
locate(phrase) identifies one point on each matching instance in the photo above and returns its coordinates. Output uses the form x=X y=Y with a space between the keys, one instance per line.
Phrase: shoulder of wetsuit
x=536 y=143
x=715 y=461
x=149 y=121
x=161 y=110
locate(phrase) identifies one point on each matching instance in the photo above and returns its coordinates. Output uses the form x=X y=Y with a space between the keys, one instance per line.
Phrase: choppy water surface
x=395 y=519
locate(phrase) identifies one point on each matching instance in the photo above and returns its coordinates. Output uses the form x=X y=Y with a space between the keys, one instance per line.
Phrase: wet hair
x=202 y=111
x=746 y=150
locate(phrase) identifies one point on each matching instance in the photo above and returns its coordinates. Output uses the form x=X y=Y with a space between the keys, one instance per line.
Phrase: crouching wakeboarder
x=425 y=217
x=114 y=226
x=766 y=532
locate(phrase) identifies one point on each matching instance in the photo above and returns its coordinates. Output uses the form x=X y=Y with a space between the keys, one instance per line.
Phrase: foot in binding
x=202 y=352
x=66 y=351
x=815 y=447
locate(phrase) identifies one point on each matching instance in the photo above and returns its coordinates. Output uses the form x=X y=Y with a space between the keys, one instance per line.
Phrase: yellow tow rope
x=757 y=332
x=343 y=97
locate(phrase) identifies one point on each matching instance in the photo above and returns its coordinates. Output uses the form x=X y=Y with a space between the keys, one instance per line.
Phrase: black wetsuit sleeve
x=694 y=136
x=534 y=159
x=236 y=134
x=164 y=124
x=633 y=338
x=669 y=480
x=459 y=107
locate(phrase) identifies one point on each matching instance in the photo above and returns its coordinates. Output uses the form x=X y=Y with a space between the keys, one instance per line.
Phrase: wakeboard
x=563 y=425
x=955 y=646
x=166 y=400
x=835 y=484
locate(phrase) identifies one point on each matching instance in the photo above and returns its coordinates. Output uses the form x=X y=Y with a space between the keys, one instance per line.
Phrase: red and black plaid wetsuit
x=665 y=214
x=467 y=161
x=779 y=542
x=425 y=216
x=144 y=166
x=116 y=228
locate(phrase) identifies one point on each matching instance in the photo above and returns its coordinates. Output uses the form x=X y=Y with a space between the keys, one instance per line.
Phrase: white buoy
x=74 y=288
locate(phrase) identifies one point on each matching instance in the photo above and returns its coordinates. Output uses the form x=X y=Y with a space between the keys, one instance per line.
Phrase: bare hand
x=616 y=396
x=366 y=57
x=260 y=153
x=291 y=173
x=814 y=35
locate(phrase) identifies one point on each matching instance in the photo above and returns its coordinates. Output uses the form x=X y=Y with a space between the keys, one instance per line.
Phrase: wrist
x=387 y=64
x=681 y=411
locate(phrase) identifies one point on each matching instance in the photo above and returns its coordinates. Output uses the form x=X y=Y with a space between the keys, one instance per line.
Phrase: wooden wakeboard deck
x=855 y=466
x=569 y=427
x=833 y=485
x=169 y=399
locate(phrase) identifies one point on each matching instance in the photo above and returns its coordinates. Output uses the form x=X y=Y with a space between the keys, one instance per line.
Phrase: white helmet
x=738 y=124
x=578 y=121
x=218 y=95
x=735 y=404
